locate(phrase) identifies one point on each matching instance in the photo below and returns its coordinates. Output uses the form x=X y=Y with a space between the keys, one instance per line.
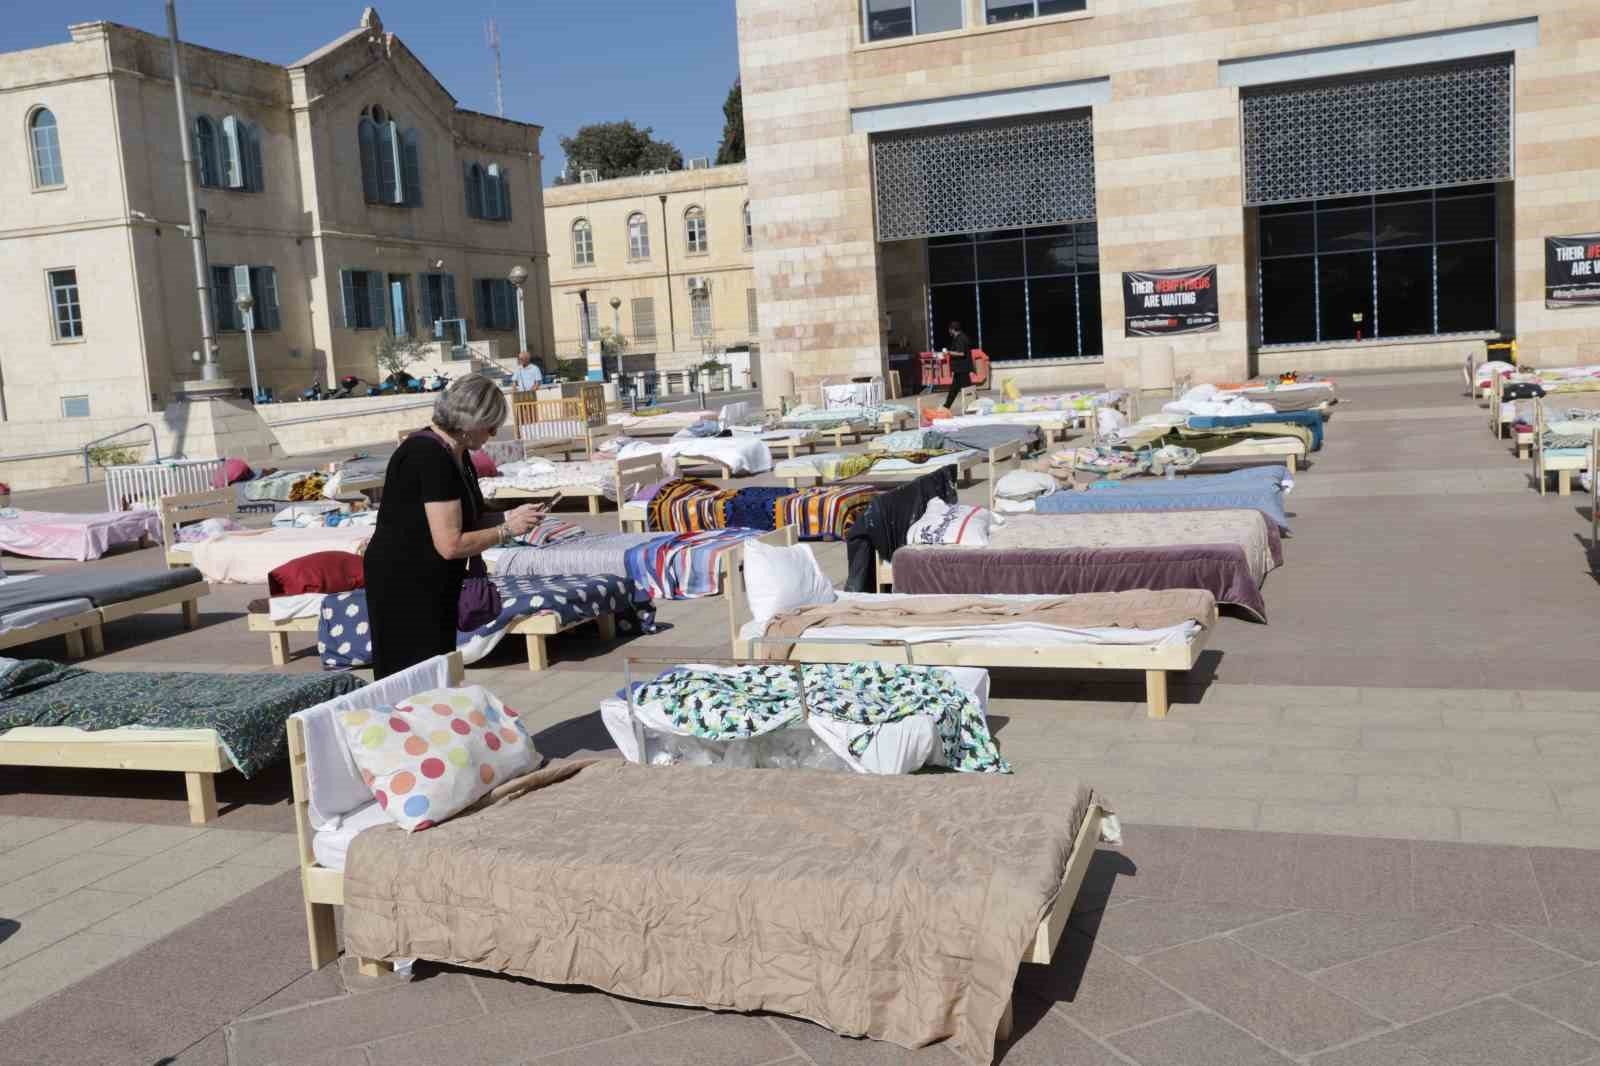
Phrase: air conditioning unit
x=700 y=163
x=587 y=176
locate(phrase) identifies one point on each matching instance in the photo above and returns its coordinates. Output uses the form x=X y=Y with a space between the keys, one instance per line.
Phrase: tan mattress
x=1248 y=529
x=892 y=907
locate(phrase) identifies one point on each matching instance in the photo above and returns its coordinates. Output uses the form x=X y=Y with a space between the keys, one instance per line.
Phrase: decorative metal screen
x=1422 y=128
x=999 y=175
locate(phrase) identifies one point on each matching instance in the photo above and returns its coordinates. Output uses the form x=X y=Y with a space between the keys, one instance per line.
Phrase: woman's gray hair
x=470 y=404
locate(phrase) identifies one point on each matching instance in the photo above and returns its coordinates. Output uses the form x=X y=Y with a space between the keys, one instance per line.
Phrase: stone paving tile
x=14 y=832
x=1195 y=1039
x=57 y=880
x=63 y=963
x=75 y=1029
x=1266 y=999
x=1147 y=926
x=1447 y=740
x=59 y=919
x=1416 y=980
x=1091 y=987
x=645 y=1016
x=1352 y=875
x=1506 y=827
x=710 y=1040
x=212 y=1051
x=314 y=987
x=1482 y=883
x=1360 y=714
x=185 y=901
x=1582 y=943
x=1574 y=998
x=1496 y=1032
x=352 y=1021
x=149 y=840
x=511 y=1037
x=1567 y=880
x=45 y=851
x=826 y=1048
x=1309 y=941
x=183 y=861
x=1176 y=809
x=1252 y=869
x=1498 y=796
x=1416 y=823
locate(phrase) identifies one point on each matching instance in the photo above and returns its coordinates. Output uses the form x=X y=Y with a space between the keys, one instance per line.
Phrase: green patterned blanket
x=248 y=711
x=748 y=701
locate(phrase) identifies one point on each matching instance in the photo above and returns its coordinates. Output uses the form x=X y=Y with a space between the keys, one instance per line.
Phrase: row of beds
x=1550 y=414
x=993 y=833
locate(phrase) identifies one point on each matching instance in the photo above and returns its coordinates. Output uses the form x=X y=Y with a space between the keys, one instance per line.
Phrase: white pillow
x=1108 y=420
x=1024 y=485
x=781 y=579
x=944 y=523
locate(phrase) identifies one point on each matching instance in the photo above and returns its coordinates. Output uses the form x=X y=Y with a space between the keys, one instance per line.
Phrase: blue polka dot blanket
x=344 y=633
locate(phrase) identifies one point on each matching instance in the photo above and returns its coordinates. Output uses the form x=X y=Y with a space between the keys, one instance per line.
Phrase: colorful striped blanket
x=680 y=566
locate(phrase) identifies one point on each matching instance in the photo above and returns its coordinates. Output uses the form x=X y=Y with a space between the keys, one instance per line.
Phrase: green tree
x=731 y=150
x=617 y=150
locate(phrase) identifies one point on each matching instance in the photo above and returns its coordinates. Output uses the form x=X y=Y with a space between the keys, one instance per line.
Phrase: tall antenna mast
x=493 y=35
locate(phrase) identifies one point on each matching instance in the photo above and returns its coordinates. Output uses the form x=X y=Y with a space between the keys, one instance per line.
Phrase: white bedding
x=742 y=455
x=288 y=608
x=538 y=475
x=38 y=613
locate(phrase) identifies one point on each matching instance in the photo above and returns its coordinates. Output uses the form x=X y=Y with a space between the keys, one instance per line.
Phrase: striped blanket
x=825 y=512
x=680 y=566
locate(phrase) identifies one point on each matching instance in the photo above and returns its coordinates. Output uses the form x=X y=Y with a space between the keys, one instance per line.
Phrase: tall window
x=1012 y=10
x=884 y=19
x=694 y=230
x=68 y=312
x=638 y=236
x=439 y=303
x=751 y=311
x=497 y=304
x=1019 y=294
x=1395 y=265
x=488 y=192
x=700 y=306
x=594 y=318
x=227 y=154
x=365 y=299
x=391 y=160
x=47 y=170
x=582 y=243
x=644 y=318
x=228 y=283
x=749 y=229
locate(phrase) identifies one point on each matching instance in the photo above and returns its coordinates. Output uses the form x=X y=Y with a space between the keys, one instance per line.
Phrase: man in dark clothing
x=960 y=364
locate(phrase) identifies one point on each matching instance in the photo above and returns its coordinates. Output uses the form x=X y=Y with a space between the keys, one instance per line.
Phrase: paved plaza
x=1368 y=834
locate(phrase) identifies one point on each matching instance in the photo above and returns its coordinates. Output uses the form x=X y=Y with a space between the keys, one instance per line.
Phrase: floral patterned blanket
x=751 y=700
x=248 y=711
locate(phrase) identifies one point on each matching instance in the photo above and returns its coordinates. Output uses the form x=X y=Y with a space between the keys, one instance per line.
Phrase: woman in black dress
x=433 y=518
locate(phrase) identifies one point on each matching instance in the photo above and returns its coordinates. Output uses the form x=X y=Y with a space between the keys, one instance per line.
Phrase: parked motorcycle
x=313 y=393
x=349 y=385
x=436 y=382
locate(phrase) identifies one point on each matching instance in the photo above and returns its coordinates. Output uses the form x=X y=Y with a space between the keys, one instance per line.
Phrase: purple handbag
x=480 y=601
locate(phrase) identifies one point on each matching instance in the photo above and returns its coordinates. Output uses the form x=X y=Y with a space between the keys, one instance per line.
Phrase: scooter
x=347 y=387
x=313 y=393
x=436 y=382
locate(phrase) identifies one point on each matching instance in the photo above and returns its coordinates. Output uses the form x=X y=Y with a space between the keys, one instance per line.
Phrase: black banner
x=1572 y=271
x=1156 y=303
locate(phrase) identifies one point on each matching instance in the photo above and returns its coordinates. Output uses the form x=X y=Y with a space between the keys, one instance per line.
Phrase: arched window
x=749 y=228
x=694 y=230
x=474 y=183
x=638 y=236
x=207 y=159
x=47 y=169
x=391 y=160
x=582 y=243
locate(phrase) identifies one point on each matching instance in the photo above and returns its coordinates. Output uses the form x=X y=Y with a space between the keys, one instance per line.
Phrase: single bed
x=245 y=556
x=731 y=456
x=1258 y=488
x=662 y=423
x=829 y=467
x=1151 y=632
x=1021 y=845
x=1226 y=553
x=535 y=608
x=79 y=537
x=594 y=481
x=670 y=566
x=78 y=603
x=1561 y=447
x=195 y=724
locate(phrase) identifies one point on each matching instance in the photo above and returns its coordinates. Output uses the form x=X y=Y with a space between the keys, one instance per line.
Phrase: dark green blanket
x=248 y=711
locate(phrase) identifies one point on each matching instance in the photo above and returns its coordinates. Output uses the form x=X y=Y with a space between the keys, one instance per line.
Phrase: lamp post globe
x=518 y=278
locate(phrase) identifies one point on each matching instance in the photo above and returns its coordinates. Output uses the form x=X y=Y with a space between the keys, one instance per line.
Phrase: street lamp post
x=518 y=278
x=247 y=306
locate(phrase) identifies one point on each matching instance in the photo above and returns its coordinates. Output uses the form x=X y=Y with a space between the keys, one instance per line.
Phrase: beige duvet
x=897 y=908
x=1143 y=529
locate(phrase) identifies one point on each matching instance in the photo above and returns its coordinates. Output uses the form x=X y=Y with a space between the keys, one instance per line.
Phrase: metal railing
x=155 y=446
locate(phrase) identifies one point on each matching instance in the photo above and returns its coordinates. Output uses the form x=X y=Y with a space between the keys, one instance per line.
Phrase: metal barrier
x=148 y=482
x=155 y=446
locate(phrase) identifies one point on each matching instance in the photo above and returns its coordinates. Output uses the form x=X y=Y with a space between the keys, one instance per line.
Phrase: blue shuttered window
x=363 y=295
x=232 y=153
x=411 y=169
x=377 y=300
x=391 y=163
x=491 y=191
x=264 y=286
x=473 y=179
x=389 y=177
x=261 y=282
x=227 y=154
x=439 y=302
x=488 y=192
x=497 y=304
x=207 y=166
x=223 y=308
x=255 y=178
x=367 y=132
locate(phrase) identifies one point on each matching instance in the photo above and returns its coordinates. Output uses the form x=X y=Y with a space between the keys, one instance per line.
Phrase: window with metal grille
x=694 y=230
x=644 y=318
x=638 y=236
x=1410 y=129
x=700 y=306
x=751 y=311
x=582 y=243
x=68 y=312
x=42 y=132
x=993 y=176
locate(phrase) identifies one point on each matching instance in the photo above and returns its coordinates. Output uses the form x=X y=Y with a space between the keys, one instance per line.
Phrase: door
x=399 y=305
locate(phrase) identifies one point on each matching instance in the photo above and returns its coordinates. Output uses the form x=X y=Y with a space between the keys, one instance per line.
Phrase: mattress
x=539 y=475
x=281 y=609
x=247 y=557
x=597 y=553
x=37 y=613
x=330 y=846
x=1249 y=530
x=81 y=537
x=1259 y=488
x=101 y=585
x=741 y=454
x=666 y=421
x=826 y=465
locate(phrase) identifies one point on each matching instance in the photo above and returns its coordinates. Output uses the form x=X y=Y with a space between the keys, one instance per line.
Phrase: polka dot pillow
x=436 y=753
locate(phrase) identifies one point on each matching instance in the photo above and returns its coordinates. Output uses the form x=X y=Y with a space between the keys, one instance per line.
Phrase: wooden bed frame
x=963 y=472
x=1154 y=663
x=1561 y=466
x=537 y=629
x=1291 y=452
x=632 y=475
x=322 y=889
x=89 y=626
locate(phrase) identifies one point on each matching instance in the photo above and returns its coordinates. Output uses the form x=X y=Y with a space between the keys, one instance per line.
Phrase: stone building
x=348 y=192
x=673 y=248
x=1374 y=181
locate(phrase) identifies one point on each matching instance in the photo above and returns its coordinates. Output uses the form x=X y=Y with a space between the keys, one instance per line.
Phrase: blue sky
x=662 y=63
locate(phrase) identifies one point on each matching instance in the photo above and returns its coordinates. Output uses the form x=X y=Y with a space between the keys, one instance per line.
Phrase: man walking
x=960 y=350
x=528 y=375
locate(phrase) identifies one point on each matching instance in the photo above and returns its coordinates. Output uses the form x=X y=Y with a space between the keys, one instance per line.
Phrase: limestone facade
x=1168 y=155
x=116 y=216
x=592 y=227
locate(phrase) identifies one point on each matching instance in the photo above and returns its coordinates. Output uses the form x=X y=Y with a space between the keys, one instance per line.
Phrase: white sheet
x=332 y=846
x=38 y=613
x=743 y=455
x=288 y=608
